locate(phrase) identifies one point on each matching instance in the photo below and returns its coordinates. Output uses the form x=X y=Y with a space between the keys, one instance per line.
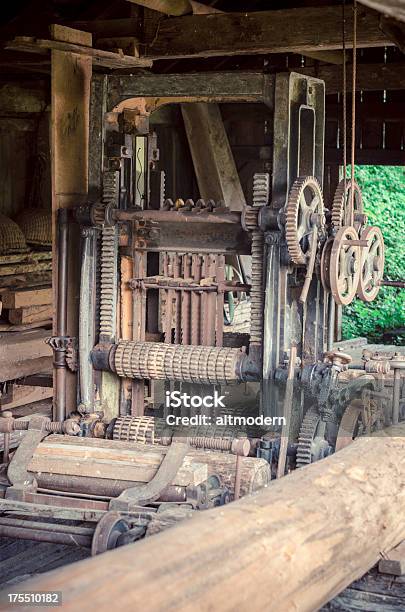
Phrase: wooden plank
x=106 y=59
x=275 y=550
x=394 y=561
x=10 y=327
x=26 y=394
x=13 y=370
x=70 y=35
x=213 y=160
x=26 y=297
x=315 y=29
x=30 y=314
x=30 y=257
x=23 y=268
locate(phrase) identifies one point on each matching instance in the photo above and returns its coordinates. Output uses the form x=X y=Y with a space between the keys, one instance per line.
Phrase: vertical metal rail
x=61 y=314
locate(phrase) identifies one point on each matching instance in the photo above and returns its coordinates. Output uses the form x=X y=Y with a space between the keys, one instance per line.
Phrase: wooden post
x=214 y=165
x=70 y=90
x=291 y=546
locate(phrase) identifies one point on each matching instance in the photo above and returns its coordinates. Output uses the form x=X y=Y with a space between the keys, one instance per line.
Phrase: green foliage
x=383 y=189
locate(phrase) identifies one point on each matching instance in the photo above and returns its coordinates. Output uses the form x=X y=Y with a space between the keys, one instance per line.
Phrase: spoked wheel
x=345 y=264
x=372 y=264
x=359 y=418
x=304 y=211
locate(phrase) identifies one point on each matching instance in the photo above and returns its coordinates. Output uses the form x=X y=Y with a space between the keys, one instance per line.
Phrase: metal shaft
x=61 y=313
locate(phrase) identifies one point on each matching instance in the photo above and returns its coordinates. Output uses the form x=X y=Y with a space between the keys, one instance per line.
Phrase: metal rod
x=388 y=283
x=37 y=535
x=288 y=399
x=331 y=322
x=171 y=216
x=238 y=473
x=396 y=396
x=61 y=313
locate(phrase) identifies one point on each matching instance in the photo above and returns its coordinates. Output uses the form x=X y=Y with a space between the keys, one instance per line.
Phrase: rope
x=344 y=96
x=353 y=110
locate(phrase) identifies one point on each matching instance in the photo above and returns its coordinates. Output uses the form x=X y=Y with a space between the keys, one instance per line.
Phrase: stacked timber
x=28 y=306
x=107 y=467
x=24 y=354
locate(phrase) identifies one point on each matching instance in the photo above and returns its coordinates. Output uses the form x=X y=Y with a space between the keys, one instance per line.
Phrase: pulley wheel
x=372 y=264
x=345 y=266
x=109 y=528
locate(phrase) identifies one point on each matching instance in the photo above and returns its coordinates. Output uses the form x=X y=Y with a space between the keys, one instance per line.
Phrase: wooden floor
x=21 y=559
x=373 y=593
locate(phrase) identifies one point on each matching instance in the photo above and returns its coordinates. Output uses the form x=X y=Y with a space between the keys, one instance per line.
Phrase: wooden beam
x=394 y=8
x=70 y=93
x=395 y=30
x=370 y=77
x=282 y=31
x=177 y=7
x=168 y=7
x=292 y=546
x=214 y=165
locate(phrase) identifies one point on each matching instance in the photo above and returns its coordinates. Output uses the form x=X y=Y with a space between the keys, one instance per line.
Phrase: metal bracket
x=143 y=495
x=17 y=472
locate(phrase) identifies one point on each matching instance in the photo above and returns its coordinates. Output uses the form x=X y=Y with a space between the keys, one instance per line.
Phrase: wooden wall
x=24 y=147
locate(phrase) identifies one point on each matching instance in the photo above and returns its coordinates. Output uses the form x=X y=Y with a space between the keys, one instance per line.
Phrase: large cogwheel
x=304 y=211
x=341 y=201
x=312 y=442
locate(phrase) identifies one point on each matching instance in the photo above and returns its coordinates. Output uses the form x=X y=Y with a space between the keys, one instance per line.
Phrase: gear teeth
x=306 y=436
x=185 y=363
x=261 y=189
x=108 y=263
x=291 y=216
x=339 y=205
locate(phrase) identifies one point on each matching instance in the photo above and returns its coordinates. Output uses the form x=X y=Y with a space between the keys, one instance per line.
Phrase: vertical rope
x=353 y=110
x=344 y=96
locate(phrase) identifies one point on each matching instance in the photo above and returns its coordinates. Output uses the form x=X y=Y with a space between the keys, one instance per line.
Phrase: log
x=255 y=473
x=291 y=546
x=27 y=297
x=83 y=459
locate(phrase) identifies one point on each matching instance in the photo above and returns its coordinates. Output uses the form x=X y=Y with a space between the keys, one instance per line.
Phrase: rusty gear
x=372 y=264
x=341 y=201
x=345 y=264
x=304 y=211
x=312 y=442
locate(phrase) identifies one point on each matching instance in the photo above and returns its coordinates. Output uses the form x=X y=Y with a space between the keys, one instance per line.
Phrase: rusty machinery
x=155 y=281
